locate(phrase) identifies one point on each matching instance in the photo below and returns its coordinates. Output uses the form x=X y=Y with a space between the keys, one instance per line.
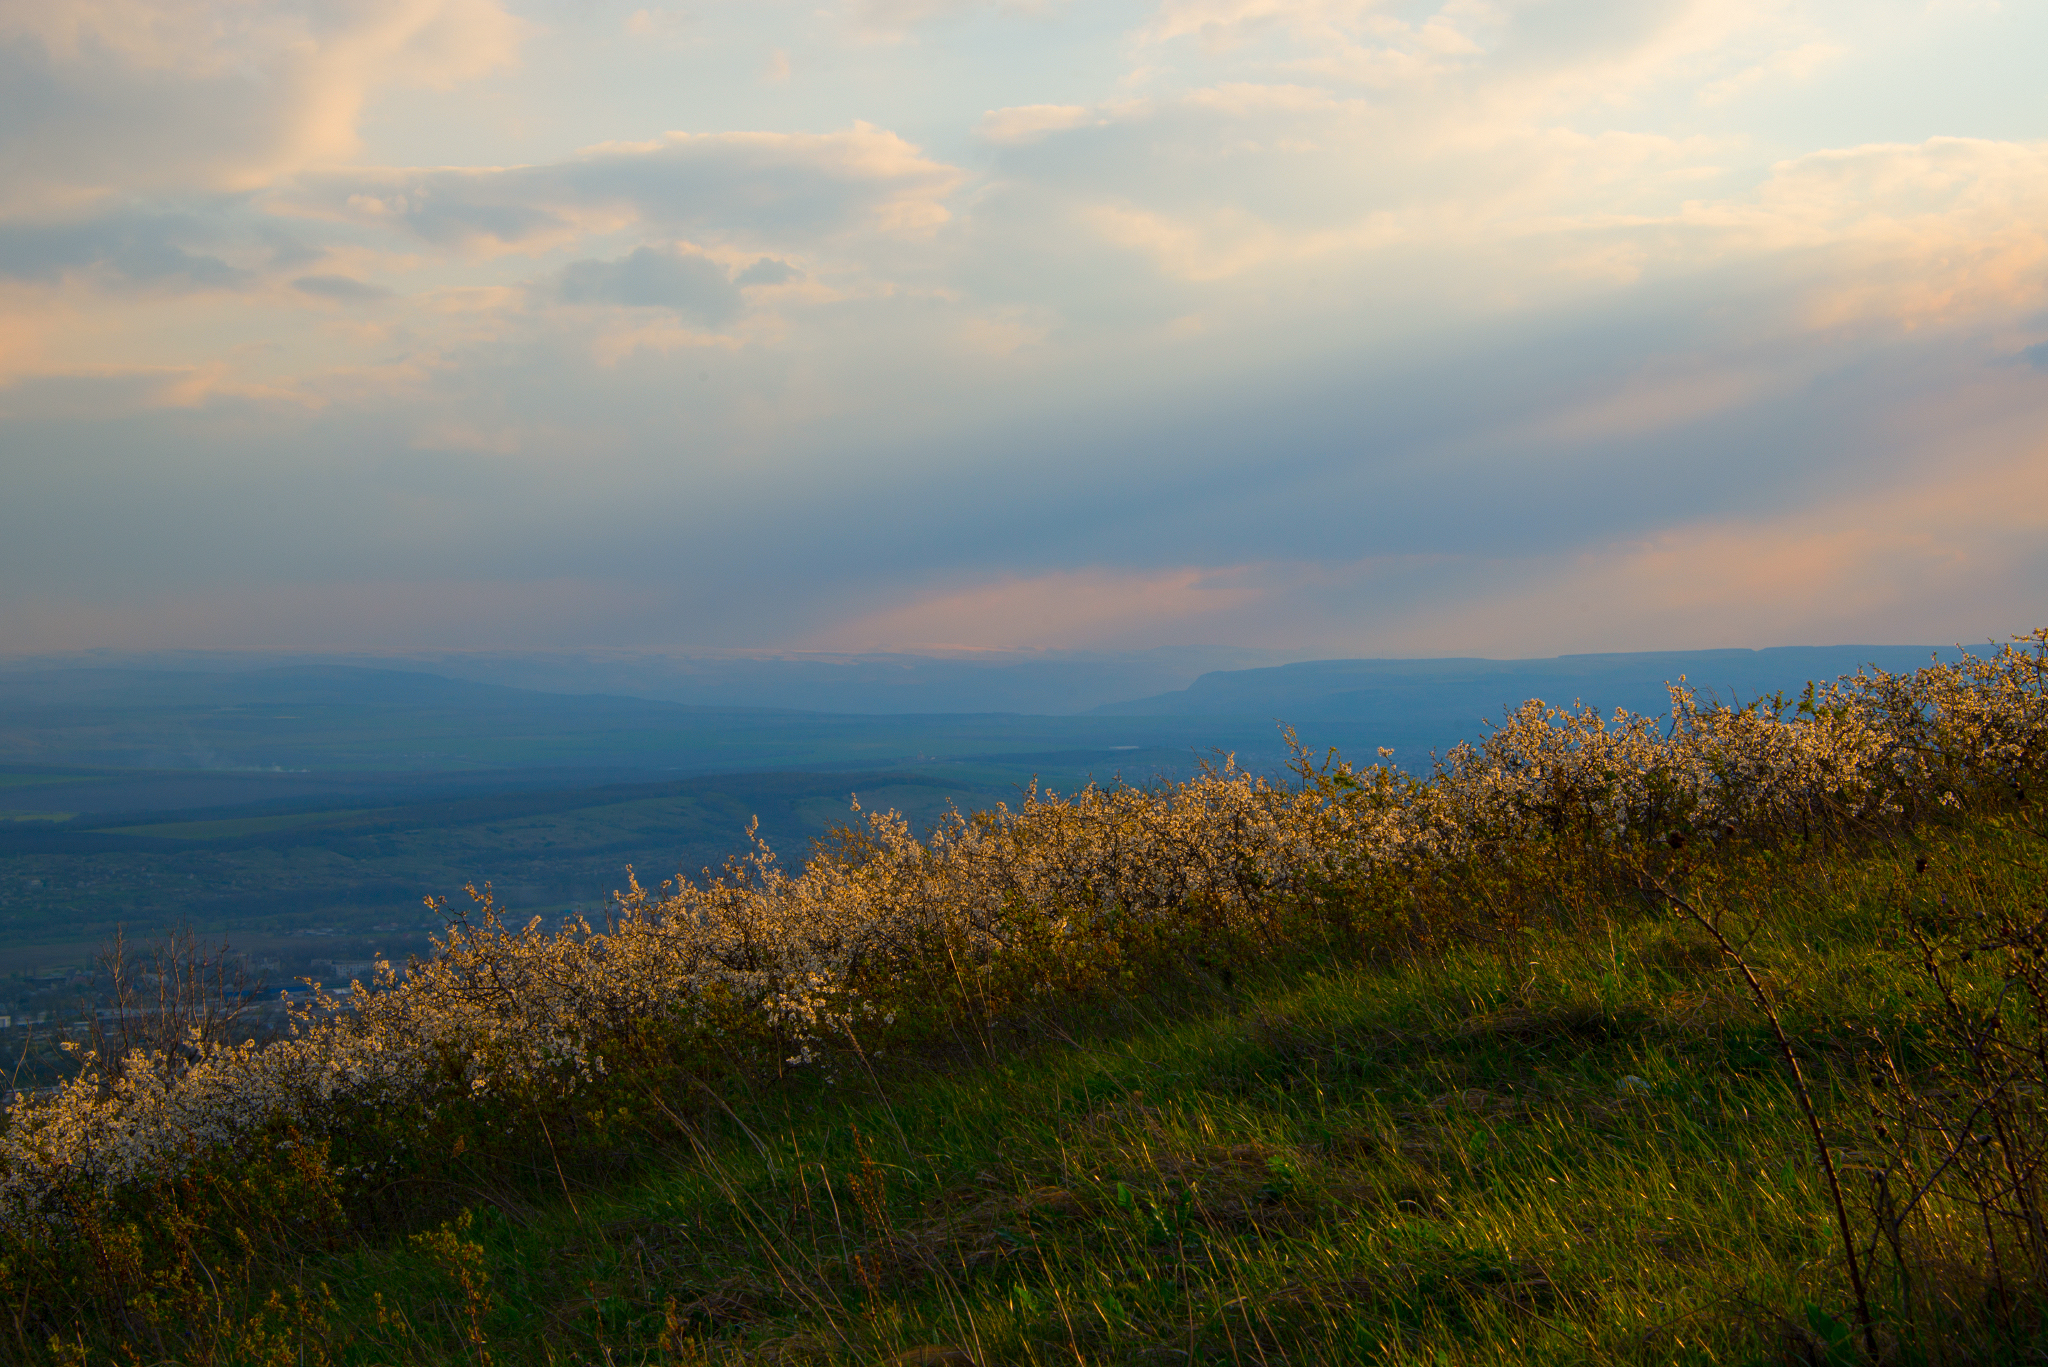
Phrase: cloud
x=766 y=187
x=682 y=281
x=1229 y=22
x=150 y=97
x=657 y=23
x=1025 y=123
x=1427 y=326
x=124 y=249
x=1268 y=182
x=896 y=19
x=1515 y=58
x=1654 y=399
x=1224 y=180
x=1938 y=552
x=1948 y=559
x=1793 y=64
x=768 y=271
x=341 y=289
x=1913 y=233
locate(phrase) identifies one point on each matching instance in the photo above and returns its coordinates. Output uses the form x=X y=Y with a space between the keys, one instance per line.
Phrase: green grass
x=1569 y=1145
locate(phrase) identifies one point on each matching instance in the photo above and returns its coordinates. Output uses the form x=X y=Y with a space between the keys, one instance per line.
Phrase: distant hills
x=825 y=712
x=1420 y=705
x=283 y=797
x=1035 y=682
x=328 y=718
x=1170 y=681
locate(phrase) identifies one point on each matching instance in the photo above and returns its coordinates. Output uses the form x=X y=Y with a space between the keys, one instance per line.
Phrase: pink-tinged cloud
x=1960 y=556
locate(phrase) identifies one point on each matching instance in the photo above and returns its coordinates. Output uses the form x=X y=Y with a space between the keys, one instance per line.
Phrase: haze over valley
x=303 y=809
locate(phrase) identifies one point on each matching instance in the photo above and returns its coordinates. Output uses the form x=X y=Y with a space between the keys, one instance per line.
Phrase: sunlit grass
x=1570 y=1148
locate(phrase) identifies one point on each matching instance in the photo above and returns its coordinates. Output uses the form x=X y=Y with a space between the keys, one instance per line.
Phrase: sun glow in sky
x=1353 y=327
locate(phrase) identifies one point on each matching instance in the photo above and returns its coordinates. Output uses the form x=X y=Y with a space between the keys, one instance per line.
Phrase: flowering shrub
x=1711 y=770
x=883 y=929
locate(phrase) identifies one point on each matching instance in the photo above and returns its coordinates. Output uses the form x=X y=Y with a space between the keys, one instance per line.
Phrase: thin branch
x=1820 y=1143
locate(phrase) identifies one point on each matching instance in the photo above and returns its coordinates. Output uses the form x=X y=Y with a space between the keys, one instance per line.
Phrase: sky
x=1343 y=327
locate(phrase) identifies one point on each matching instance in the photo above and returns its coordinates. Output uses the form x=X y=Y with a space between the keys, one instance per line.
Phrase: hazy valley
x=303 y=810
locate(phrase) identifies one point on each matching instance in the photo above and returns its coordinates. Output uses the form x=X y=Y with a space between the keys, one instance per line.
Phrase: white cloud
x=1520 y=58
x=1267 y=182
x=1026 y=123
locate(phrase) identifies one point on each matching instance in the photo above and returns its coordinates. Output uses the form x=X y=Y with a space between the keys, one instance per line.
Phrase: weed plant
x=1715 y=1038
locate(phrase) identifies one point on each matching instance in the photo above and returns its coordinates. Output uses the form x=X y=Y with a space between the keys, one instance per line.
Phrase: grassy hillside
x=1577 y=1147
x=1725 y=1043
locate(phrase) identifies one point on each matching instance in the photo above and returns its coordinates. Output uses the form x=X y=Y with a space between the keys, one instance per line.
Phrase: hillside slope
x=1721 y=1039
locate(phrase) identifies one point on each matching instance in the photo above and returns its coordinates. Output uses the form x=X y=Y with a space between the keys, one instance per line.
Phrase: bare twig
x=1825 y=1153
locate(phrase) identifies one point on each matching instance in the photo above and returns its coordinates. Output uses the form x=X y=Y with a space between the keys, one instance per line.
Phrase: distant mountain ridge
x=1466 y=689
x=328 y=716
x=1171 y=681
x=1032 y=682
x=331 y=718
x=272 y=686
